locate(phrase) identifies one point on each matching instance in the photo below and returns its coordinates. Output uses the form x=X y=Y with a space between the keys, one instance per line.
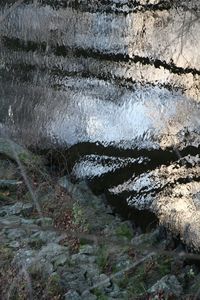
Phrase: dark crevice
x=144 y=219
x=159 y=155
x=156 y=157
x=120 y=175
x=135 y=59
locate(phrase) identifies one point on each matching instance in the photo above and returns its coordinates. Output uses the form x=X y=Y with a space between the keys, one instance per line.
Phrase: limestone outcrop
x=145 y=42
x=118 y=84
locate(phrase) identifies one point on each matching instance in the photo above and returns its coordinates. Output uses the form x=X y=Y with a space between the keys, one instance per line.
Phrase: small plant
x=164 y=265
x=123 y=282
x=102 y=257
x=191 y=273
x=78 y=217
x=136 y=284
x=124 y=231
x=100 y=295
x=53 y=286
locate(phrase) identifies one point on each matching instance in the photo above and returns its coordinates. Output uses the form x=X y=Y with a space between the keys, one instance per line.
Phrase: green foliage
x=124 y=231
x=31 y=160
x=136 y=284
x=100 y=295
x=123 y=282
x=24 y=157
x=102 y=257
x=164 y=265
x=191 y=273
x=79 y=217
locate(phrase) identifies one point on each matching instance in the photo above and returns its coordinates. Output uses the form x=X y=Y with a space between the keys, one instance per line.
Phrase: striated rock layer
x=117 y=83
x=144 y=42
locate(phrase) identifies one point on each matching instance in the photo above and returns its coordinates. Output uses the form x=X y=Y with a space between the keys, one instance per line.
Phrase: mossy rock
x=15 y=152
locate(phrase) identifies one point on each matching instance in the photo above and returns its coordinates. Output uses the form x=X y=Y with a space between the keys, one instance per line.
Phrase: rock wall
x=119 y=83
x=147 y=42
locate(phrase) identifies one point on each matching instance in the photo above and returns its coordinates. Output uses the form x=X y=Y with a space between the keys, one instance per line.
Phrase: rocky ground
x=59 y=241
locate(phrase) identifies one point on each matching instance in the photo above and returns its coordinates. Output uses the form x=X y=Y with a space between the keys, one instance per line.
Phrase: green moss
x=34 y=163
x=100 y=295
x=24 y=157
x=123 y=230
